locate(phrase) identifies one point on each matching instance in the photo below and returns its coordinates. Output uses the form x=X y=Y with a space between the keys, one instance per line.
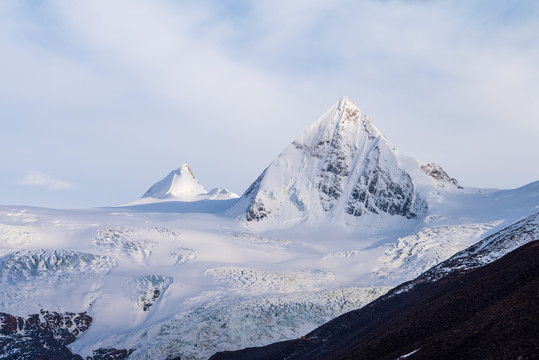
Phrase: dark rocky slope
x=45 y=336
x=41 y=336
x=490 y=312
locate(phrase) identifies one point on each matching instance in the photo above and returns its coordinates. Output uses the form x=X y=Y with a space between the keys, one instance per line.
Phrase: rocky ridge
x=484 y=252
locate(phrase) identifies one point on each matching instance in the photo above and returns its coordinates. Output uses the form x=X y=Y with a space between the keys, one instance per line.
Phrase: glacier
x=335 y=221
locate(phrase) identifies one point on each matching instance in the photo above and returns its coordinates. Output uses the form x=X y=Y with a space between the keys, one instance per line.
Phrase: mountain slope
x=342 y=169
x=486 y=312
x=487 y=250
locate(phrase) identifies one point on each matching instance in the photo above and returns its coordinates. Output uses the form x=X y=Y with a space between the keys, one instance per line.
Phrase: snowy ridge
x=436 y=172
x=491 y=248
x=483 y=252
x=342 y=169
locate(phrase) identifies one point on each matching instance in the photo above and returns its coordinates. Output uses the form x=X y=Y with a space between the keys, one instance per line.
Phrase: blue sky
x=100 y=99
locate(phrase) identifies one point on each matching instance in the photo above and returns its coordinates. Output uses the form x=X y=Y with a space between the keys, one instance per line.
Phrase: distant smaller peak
x=436 y=172
x=178 y=183
x=223 y=192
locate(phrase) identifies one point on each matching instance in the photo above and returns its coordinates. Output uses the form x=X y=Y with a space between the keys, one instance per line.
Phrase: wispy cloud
x=36 y=178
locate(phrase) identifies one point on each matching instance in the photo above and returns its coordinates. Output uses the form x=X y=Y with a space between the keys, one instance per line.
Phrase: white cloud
x=225 y=86
x=37 y=178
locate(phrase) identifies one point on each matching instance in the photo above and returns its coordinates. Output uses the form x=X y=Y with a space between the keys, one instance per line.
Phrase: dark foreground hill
x=491 y=312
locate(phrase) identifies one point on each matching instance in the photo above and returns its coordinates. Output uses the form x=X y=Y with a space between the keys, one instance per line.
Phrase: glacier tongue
x=342 y=168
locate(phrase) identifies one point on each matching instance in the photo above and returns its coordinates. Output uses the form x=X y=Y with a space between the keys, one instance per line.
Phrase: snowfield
x=186 y=272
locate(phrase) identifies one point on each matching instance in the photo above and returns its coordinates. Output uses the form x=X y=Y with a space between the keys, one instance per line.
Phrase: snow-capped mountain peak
x=341 y=168
x=343 y=122
x=177 y=183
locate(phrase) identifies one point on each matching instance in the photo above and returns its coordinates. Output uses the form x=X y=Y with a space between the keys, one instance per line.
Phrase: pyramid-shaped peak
x=342 y=169
x=178 y=183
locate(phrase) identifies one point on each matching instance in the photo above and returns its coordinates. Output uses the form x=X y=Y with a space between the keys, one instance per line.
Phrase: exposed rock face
x=64 y=327
x=148 y=302
x=147 y=289
x=45 y=335
x=34 y=348
x=110 y=354
x=41 y=336
x=341 y=168
x=379 y=190
x=439 y=174
x=257 y=211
